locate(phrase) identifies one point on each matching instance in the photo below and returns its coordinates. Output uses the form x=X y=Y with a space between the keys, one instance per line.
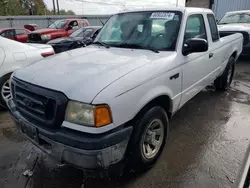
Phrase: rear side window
x=8 y=33
x=195 y=27
x=213 y=27
x=21 y=32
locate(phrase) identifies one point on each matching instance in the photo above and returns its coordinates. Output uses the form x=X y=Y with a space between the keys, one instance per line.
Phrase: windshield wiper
x=102 y=44
x=137 y=46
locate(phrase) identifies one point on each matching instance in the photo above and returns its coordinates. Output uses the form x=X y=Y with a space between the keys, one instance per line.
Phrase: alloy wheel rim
x=153 y=139
x=5 y=91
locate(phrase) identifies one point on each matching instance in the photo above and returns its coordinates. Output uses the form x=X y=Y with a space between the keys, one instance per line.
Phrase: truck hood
x=66 y=40
x=46 y=31
x=235 y=27
x=82 y=73
x=40 y=46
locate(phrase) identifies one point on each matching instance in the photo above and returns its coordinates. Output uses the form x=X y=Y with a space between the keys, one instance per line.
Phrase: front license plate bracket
x=29 y=130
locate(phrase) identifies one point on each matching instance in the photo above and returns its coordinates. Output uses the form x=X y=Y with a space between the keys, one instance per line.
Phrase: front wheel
x=224 y=81
x=5 y=90
x=148 y=139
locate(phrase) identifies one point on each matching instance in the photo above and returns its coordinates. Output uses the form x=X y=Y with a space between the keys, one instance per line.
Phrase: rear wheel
x=224 y=81
x=148 y=139
x=5 y=90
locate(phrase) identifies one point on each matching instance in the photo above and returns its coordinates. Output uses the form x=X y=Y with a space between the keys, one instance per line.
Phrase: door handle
x=211 y=55
x=174 y=76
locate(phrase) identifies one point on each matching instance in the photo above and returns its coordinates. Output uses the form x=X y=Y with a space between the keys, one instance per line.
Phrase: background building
x=220 y=7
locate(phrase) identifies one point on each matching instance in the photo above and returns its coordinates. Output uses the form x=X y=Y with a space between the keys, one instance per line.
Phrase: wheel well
x=234 y=55
x=7 y=74
x=163 y=101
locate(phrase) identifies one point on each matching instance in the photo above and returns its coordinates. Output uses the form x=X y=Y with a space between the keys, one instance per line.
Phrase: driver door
x=196 y=65
x=21 y=35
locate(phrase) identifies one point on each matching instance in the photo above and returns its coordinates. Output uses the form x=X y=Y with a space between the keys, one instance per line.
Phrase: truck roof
x=239 y=11
x=181 y=9
x=8 y=28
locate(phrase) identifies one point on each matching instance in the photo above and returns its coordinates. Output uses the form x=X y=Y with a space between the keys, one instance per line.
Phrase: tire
x=224 y=81
x=3 y=88
x=138 y=159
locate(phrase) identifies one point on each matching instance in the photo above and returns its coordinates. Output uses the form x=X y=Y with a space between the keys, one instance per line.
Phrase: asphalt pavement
x=206 y=147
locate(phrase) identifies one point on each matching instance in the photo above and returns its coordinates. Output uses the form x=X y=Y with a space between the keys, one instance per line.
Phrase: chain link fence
x=45 y=21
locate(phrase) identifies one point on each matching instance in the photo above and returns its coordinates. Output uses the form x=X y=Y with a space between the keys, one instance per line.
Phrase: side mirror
x=194 y=45
x=69 y=27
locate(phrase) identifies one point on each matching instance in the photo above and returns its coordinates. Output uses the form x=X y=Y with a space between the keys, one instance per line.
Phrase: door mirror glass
x=195 y=45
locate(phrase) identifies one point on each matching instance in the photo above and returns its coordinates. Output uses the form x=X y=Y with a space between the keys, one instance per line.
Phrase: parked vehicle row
x=80 y=38
x=17 y=34
x=111 y=102
x=58 y=29
x=15 y=55
x=237 y=21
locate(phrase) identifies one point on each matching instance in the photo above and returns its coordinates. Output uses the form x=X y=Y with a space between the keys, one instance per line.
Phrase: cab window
x=74 y=25
x=213 y=27
x=195 y=27
x=21 y=32
x=8 y=34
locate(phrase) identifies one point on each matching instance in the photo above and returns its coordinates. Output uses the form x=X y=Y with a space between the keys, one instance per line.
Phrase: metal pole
x=58 y=9
x=54 y=7
x=177 y=3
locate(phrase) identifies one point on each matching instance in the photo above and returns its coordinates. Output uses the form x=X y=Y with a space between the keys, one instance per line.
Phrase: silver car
x=237 y=21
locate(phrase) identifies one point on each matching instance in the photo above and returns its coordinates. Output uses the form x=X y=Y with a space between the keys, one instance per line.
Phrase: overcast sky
x=110 y=6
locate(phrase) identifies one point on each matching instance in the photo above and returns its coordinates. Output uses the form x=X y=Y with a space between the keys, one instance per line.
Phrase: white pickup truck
x=111 y=102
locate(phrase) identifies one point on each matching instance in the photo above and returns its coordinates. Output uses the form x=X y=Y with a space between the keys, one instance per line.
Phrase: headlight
x=46 y=37
x=89 y=115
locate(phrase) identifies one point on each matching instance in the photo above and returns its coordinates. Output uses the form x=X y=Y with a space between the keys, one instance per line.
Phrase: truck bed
x=244 y=33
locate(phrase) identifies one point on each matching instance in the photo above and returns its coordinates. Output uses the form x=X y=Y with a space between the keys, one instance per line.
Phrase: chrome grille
x=39 y=105
x=34 y=37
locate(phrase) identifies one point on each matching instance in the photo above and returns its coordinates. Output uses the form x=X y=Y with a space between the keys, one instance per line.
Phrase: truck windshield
x=82 y=32
x=142 y=30
x=230 y=18
x=59 y=24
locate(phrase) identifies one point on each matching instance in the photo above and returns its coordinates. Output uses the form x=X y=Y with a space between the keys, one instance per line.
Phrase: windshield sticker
x=163 y=15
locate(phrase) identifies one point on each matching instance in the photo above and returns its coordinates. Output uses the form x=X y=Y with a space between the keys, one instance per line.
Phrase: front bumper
x=86 y=151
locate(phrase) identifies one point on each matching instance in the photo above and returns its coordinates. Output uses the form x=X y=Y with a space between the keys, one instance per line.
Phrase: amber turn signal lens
x=102 y=116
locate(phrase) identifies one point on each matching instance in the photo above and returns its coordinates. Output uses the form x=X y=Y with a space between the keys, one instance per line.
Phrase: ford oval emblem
x=28 y=102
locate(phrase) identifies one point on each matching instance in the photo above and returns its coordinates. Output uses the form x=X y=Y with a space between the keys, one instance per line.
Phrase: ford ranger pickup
x=58 y=29
x=111 y=102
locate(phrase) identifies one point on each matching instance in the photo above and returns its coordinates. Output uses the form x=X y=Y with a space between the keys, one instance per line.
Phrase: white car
x=15 y=55
x=111 y=102
x=237 y=21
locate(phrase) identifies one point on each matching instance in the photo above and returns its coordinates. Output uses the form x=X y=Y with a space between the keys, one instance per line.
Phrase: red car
x=17 y=34
x=58 y=29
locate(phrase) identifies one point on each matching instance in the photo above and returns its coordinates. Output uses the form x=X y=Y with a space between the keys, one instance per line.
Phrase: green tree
x=11 y=7
x=70 y=12
x=40 y=7
x=22 y=7
x=64 y=12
